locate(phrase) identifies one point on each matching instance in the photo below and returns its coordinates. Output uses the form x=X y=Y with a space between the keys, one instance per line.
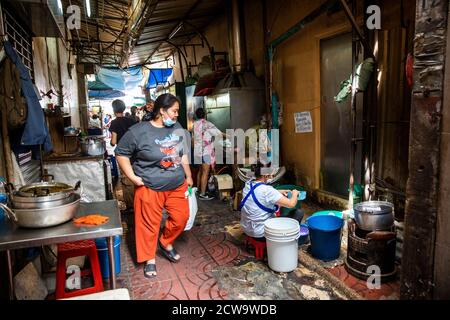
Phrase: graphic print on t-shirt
x=171 y=146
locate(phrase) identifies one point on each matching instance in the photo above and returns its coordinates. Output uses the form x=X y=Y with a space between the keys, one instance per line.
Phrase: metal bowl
x=45 y=217
x=29 y=204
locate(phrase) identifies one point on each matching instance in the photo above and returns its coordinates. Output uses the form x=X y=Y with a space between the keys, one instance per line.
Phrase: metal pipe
x=10 y=275
x=353 y=118
x=239 y=55
x=135 y=28
x=355 y=26
x=266 y=59
x=302 y=23
x=2 y=28
x=186 y=16
x=278 y=41
x=112 y=263
x=58 y=60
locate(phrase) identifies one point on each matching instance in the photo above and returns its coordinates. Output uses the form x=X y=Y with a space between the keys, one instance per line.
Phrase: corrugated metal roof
x=101 y=36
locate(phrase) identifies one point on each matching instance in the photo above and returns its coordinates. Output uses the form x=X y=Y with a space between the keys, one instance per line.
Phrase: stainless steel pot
x=42 y=195
x=93 y=145
x=374 y=215
x=45 y=217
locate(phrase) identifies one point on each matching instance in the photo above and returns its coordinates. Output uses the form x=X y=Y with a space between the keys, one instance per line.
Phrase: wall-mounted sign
x=303 y=122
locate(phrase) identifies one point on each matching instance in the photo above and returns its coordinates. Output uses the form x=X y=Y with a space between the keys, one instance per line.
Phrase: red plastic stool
x=77 y=249
x=259 y=246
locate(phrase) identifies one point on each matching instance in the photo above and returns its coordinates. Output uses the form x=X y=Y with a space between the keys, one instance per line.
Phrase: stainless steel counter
x=13 y=237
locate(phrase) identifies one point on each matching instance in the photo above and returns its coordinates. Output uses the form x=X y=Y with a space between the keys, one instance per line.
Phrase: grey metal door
x=335 y=66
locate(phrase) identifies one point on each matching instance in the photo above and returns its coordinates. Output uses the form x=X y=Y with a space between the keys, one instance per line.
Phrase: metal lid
x=45 y=191
x=374 y=207
x=41 y=189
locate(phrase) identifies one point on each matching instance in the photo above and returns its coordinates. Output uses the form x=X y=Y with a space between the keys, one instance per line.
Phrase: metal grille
x=20 y=39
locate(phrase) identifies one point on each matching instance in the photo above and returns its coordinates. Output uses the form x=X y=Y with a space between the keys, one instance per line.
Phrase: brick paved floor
x=214 y=257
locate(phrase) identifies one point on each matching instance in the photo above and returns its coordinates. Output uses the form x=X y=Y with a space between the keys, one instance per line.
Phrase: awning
x=105 y=94
x=121 y=79
x=158 y=77
x=97 y=85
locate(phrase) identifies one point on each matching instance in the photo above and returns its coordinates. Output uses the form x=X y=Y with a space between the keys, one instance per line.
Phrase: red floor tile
x=387 y=290
x=170 y=290
x=201 y=287
x=221 y=250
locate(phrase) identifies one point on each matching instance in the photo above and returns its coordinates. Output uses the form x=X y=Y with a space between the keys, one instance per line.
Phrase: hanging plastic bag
x=345 y=88
x=193 y=208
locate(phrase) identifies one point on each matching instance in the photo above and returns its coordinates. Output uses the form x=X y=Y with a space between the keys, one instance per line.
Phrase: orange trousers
x=148 y=206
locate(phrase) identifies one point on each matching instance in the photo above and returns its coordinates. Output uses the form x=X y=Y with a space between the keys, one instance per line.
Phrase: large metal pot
x=46 y=217
x=93 y=145
x=42 y=195
x=374 y=215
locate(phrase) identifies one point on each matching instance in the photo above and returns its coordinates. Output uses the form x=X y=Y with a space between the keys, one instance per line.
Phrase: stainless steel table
x=13 y=237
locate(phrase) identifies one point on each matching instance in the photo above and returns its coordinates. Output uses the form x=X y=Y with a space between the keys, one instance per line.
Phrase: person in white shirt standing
x=261 y=201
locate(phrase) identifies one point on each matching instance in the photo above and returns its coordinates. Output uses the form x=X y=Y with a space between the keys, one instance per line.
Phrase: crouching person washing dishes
x=153 y=155
x=261 y=201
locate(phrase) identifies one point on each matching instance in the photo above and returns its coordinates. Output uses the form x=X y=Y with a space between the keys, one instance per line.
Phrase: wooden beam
x=417 y=281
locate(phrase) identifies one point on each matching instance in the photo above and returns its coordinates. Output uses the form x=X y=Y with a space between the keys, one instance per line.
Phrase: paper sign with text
x=303 y=122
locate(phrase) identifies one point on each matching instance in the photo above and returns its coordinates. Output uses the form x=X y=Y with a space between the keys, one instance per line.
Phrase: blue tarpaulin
x=158 y=76
x=105 y=94
x=121 y=79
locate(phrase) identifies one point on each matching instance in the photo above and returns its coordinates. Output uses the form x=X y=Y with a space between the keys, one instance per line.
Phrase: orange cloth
x=92 y=219
x=148 y=207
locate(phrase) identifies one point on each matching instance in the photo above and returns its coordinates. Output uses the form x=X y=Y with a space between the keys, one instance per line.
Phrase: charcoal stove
x=366 y=248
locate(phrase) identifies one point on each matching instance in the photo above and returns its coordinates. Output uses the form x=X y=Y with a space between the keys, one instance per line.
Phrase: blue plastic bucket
x=328 y=212
x=4 y=200
x=102 y=251
x=325 y=236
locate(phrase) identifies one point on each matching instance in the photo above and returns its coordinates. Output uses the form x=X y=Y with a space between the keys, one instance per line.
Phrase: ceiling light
x=88 y=8
x=174 y=32
x=58 y=2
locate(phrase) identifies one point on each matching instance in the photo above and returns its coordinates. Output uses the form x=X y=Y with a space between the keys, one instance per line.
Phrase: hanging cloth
x=36 y=131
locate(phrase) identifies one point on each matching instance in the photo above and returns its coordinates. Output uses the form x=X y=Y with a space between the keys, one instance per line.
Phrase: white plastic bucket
x=282 y=243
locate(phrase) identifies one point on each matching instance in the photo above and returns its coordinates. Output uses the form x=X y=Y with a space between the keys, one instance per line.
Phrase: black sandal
x=150 y=267
x=169 y=254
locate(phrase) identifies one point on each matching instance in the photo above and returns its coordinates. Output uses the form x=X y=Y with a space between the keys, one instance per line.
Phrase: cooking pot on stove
x=374 y=215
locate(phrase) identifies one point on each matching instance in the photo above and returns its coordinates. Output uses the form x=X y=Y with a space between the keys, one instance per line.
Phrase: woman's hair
x=256 y=168
x=200 y=113
x=164 y=101
x=94 y=116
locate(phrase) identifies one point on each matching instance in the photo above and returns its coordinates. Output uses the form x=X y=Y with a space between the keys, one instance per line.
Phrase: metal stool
x=77 y=249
